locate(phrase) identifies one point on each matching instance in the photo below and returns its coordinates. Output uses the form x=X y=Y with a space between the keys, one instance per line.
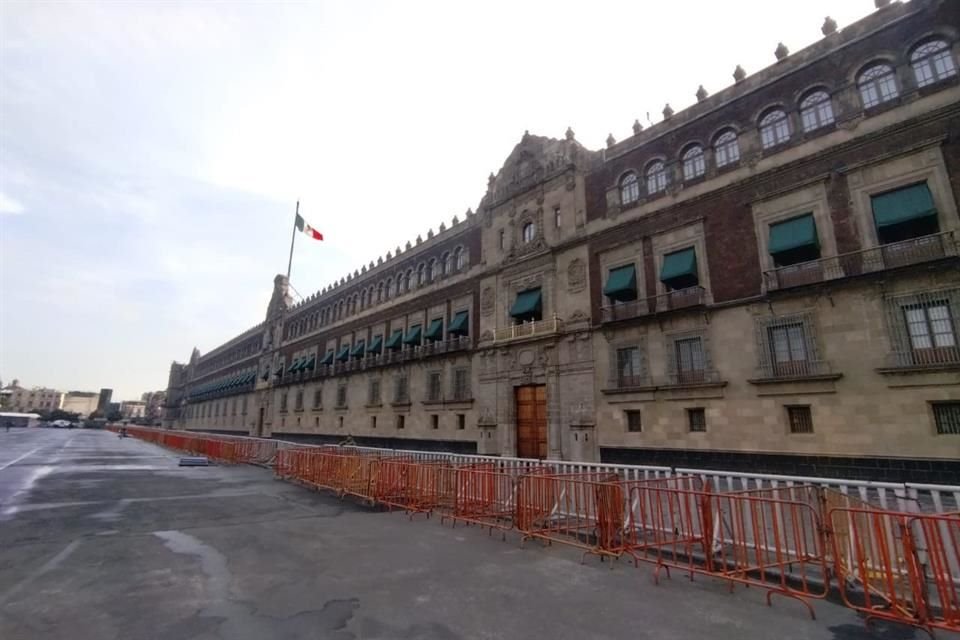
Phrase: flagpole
x=293 y=237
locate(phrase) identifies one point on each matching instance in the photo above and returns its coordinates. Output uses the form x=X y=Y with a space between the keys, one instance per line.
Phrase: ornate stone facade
x=664 y=321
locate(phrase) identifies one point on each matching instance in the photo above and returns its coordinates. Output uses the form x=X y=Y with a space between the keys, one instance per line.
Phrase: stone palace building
x=767 y=280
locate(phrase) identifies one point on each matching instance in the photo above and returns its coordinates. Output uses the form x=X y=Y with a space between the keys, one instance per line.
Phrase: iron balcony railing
x=370 y=361
x=528 y=329
x=793 y=369
x=680 y=299
x=621 y=382
x=693 y=376
x=888 y=256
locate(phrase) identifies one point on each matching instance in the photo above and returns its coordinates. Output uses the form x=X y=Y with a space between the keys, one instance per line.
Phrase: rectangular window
x=800 y=418
x=298 y=406
x=435 y=421
x=500 y=238
x=556 y=217
x=923 y=328
x=373 y=422
x=697 y=419
x=374 y=395
x=316 y=422
x=946 y=415
x=930 y=326
x=461 y=421
x=318 y=398
x=342 y=396
x=634 y=423
x=628 y=367
x=434 y=388
x=788 y=348
x=401 y=392
x=340 y=422
x=461 y=384
x=283 y=401
x=690 y=361
x=233 y=407
x=401 y=422
x=243 y=406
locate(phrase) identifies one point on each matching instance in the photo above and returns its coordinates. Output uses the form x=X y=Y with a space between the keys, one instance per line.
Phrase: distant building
x=82 y=402
x=154 y=401
x=133 y=409
x=103 y=404
x=21 y=399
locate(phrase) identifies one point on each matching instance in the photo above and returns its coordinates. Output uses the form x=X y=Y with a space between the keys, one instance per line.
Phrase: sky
x=151 y=153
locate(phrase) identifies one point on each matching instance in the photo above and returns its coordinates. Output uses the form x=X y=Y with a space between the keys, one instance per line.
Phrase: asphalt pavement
x=104 y=538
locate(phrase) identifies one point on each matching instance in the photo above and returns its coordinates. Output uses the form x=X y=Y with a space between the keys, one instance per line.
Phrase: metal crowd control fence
x=792 y=536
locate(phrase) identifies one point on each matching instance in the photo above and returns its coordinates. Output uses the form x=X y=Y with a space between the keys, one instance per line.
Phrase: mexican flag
x=307 y=229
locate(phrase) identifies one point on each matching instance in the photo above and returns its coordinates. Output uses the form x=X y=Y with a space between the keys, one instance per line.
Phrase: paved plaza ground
x=104 y=538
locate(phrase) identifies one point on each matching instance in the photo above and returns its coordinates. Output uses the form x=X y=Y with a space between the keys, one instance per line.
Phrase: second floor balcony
x=531 y=329
x=670 y=301
x=888 y=256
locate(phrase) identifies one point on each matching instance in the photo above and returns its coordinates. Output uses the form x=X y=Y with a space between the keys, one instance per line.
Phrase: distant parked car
x=61 y=424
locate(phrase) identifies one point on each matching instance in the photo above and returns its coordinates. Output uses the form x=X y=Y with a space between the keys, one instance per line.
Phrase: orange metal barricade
x=902 y=567
x=744 y=537
x=570 y=509
x=484 y=497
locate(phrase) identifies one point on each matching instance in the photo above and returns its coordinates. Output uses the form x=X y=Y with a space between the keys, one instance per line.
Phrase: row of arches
x=392 y=286
x=931 y=61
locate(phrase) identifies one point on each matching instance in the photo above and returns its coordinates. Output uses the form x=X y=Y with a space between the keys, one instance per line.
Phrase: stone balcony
x=670 y=301
x=533 y=329
x=888 y=256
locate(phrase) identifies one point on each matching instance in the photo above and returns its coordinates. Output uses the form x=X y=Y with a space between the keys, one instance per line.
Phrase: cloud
x=9 y=206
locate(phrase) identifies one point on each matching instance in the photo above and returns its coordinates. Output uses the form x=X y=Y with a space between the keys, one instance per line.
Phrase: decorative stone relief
x=576 y=275
x=487 y=335
x=488 y=300
x=578 y=314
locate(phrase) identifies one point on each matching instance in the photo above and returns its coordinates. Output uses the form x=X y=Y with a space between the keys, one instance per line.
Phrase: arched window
x=398 y=285
x=656 y=177
x=726 y=148
x=774 y=128
x=816 y=110
x=629 y=188
x=877 y=85
x=932 y=62
x=447 y=263
x=434 y=269
x=409 y=280
x=460 y=258
x=421 y=275
x=693 y=163
x=387 y=290
x=380 y=292
x=528 y=232
x=363 y=300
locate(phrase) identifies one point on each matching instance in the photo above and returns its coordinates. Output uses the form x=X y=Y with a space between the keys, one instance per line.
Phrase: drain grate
x=197 y=461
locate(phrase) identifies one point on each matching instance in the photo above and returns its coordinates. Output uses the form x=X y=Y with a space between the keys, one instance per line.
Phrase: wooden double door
x=531 y=421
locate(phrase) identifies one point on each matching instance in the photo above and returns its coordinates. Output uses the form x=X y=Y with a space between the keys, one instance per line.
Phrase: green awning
x=376 y=345
x=679 y=269
x=294 y=366
x=413 y=335
x=908 y=203
x=358 y=349
x=328 y=359
x=621 y=283
x=527 y=303
x=279 y=371
x=309 y=364
x=460 y=325
x=435 y=330
x=344 y=353
x=793 y=234
x=395 y=338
